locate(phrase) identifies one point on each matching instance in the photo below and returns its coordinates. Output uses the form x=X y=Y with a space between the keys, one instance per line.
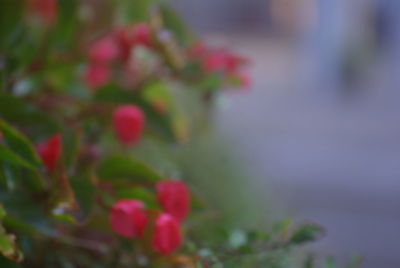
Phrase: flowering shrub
x=86 y=87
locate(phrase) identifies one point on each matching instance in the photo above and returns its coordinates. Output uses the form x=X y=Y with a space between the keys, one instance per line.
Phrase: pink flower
x=44 y=9
x=96 y=75
x=103 y=51
x=128 y=218
x=167 y=234
x=174 y=198
x=50 y=151
x=128 y=121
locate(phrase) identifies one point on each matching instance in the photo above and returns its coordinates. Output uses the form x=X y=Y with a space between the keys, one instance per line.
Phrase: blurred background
x=319 y=132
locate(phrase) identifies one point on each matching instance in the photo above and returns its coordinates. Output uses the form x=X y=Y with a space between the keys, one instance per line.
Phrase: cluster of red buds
x=50 y=151
x=129 y=219
x=221 y=61
x=128 y=123
x=116 y=46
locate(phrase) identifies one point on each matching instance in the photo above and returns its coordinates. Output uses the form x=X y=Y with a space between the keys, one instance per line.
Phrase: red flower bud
x=215 y=62
x=174 y=198
x=50 y=151
x=44 y=9
x=167 y=234
x=128 y=123
x=243 y=81
x=103 y=51
x=198 y=50
x=221 y=60
x=234 y=62
x=142 y=35
x=128 y=218
x=96 y=75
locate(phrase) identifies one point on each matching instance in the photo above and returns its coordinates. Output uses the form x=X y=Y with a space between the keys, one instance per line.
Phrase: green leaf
x=12 y=158
x=26 y=115
x=174 y=22
x=71 y=145
x=139 y=193
x=10 y=175
x=125 y=168
x=282 y=226
x=8 y=245
x=26 y=213
x=157 y=91
x=6 y=263
x=309 y=261
x=135 y=11
x=66 y=21
x=19 y=144
x=84 y=193
x=330 y=263
x=10 y=17
x=11 y=172
x=113 y=93
x=155 y=122
x=306 y=232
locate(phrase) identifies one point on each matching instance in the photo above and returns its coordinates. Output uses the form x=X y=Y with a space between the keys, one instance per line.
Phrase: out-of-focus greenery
x=60 y=219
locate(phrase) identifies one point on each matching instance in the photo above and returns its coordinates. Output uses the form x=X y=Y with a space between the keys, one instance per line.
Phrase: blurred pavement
x=332 y=158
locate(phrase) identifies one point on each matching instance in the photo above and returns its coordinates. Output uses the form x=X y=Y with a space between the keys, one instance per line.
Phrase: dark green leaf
x=158 y=124
x=8 y=246
x=135 y=10
x=71 y=145
x=25 y=213
x=84 y=193
x=113 y=93
x=173 y=21
x=6 y=263
x=19 y=143
x=309 y=261
x=121 y=167
x=24 y=114
x=10 y=17
x=307 y=232
x=12 y=158
x=139 y=193
x=66 y=21
x=330 y=263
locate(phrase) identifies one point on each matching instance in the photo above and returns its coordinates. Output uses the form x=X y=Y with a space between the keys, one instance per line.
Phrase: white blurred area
x=321 y=127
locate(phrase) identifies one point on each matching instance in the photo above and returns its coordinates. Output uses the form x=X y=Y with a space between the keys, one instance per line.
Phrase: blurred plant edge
x=98 y=100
